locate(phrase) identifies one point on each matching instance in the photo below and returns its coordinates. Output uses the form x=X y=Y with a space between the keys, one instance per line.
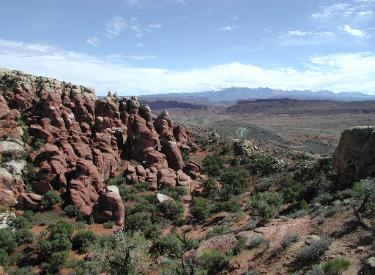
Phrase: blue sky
x=157 y=46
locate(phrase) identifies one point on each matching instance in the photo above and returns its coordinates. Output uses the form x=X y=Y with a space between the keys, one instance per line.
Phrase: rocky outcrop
x=109 y=206
x=78 y=142
x=354 y=158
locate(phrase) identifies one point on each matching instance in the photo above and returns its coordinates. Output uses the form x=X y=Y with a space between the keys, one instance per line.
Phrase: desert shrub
x=118 y=180
x=141 y=221
x=174 y=192
x=364 y=193
x=4 y=257
x=335 y=266
x=318 y=185
x=109 y=225
x=288 y=239
x=258 y=241
x=212 y=165
x=252 y=272
x=50 y=199
x=262 y=186
x=170 y=245
x=28 y=174
x=219 y=230
x=239 y=246
x=231 y=206
x=20 y=270
x=265 y=205
x=312 y=252
x=171 y=209
x=57 y=260
x=261 y=164
x=185 y=154
x=73 y=212
x=210 y=189
x=200 y=208
x=324 y=199
x=83 y=241
x=23 y=235
x=61 y=228
x=127 y=192
x=290 y=189
x=234 y=180
x=330 y=211
x=123 y=253
x=213 y=261
x=21 y=223
x=7 y=240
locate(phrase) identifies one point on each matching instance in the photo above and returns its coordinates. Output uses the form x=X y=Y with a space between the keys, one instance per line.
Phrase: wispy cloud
x=115 y=26
x=155 y=26
x=297 y=33
x=226 y=28
x=141 y=57
x=337 y=72
x=93 y=41
x=352 y=31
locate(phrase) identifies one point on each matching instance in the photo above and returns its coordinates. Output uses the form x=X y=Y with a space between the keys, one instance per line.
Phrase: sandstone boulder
x=110 y=206
x=354 y=157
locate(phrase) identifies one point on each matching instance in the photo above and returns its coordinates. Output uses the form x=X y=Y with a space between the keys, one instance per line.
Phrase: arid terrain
x=109 y=186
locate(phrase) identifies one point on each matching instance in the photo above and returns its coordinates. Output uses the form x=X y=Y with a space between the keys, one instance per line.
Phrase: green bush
x=4 y=258
x=239 y=246
x=141 y=221
x=234 y=180
x=265 y=205
x=291 y=189
x=109 y=225
x=170 y=245
x=335 y=266
x=116 y=181
x=231 y=206
x=21 y=223
x=200 y=209
x=261 y=164
x=212 y=165
x=210 y=189
x=38 y=143
x=364 y=192
x=262 y=186
x=57 y=260
x=174 y=192
x=7 y=240
x=171 y=209
x=63 y=228
x=23 y=236
x=258 y=241
x=219 y=230
x=20 y=270
x=83 y=241
x=213 y=261
x=313 y=252
x=123 y=253
x=50 y=199
x=288 y=239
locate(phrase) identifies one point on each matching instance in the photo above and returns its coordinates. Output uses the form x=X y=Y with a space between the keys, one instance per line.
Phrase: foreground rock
x=109 y=206
x=354 y=158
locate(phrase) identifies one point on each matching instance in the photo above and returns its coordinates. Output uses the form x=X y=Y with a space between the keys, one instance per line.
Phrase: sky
x=135 y=47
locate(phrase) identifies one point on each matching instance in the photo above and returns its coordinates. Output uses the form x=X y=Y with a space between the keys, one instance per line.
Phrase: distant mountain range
x=231 y=95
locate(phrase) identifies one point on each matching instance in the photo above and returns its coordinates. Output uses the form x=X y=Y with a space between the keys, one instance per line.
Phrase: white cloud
x=115 y=26
x=155 y=26
x=297 y=33
x=226 y=28
x=337 y=72
x=93 y=41
x=134 y=26
x=352 y=31
x=141 y=57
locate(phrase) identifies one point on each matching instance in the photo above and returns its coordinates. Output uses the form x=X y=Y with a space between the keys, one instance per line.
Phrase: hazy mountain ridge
x=236 y=94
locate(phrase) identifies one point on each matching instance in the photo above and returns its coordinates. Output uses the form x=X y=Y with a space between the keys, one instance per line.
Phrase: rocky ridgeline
x=74 y=143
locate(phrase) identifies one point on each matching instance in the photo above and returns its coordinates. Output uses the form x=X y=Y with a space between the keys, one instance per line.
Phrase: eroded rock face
x=354 y=158
x=78 y=141
x=110 y=206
